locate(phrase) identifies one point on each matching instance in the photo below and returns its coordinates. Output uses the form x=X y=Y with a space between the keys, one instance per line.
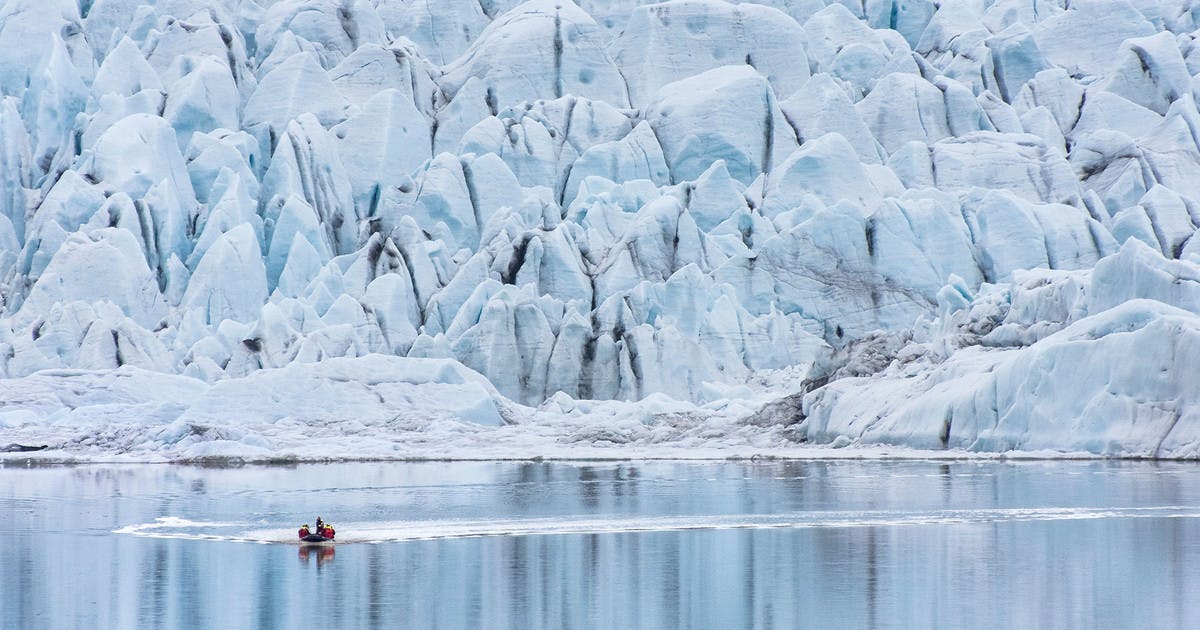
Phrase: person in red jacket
x=328 y=532
x=304 y=531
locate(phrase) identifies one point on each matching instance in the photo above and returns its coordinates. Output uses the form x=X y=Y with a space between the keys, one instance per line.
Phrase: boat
x=316 y=537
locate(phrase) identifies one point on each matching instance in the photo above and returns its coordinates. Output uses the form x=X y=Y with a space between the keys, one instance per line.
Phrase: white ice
x=307 y=229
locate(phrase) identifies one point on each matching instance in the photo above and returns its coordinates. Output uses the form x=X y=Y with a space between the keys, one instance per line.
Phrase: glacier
x=304 y=229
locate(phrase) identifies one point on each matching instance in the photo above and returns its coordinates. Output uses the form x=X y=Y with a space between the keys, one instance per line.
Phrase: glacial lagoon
x=777 y=544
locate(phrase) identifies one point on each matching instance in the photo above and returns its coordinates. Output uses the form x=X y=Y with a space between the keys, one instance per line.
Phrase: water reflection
x=322 y=554
x=1117 y=549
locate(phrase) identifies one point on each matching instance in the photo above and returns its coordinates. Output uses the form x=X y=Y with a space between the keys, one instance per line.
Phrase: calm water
x=621 y=545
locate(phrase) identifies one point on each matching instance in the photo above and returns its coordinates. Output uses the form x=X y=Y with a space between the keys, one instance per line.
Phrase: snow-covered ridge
x=953 y=213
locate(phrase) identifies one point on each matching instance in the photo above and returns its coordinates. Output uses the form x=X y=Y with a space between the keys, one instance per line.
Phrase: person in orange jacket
x=327 y=531
x=304 y=531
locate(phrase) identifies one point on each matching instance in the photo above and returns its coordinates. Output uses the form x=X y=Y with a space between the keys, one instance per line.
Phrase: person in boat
x=304 y=531
x=327 y=531
x=320 y=525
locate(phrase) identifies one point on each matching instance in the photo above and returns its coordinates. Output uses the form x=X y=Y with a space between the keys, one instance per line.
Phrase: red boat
x=323 y=536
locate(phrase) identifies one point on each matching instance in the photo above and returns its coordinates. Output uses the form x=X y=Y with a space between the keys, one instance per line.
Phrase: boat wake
x=404 y=531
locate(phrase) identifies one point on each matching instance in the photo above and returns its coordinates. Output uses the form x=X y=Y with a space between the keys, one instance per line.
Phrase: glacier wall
x=1095 y=361
x=615 y=199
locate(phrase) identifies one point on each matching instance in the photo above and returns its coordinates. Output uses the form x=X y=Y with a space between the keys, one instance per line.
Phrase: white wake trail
x=424 y=530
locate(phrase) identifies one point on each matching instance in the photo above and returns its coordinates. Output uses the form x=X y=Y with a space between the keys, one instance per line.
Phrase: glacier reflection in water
x=610 y=545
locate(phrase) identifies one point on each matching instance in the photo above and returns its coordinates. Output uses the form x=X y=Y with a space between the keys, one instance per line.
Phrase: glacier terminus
x=310 y=229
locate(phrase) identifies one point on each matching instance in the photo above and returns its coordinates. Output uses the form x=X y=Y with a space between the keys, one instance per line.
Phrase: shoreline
x=845 y=454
